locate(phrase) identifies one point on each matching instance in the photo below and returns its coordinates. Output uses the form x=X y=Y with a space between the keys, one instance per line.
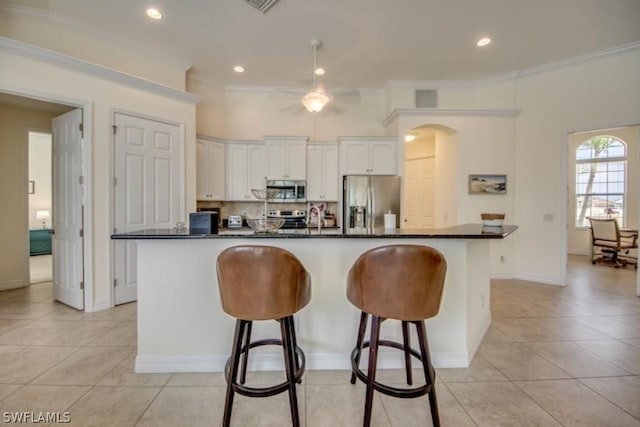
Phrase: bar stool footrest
x=404 y=393
x=265 y=391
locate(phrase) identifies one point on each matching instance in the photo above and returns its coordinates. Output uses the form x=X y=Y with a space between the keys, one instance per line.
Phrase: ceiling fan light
x=315 y=101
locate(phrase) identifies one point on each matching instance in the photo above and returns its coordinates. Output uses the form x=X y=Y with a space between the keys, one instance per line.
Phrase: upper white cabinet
x=286 y=157
x=245 y=170
x=210 y=171
x=322 y=172
x=368 y=156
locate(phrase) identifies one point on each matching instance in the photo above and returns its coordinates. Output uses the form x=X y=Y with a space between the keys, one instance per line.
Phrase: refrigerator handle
x=369 y=207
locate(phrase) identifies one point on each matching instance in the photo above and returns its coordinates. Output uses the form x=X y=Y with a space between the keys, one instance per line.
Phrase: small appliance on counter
x=215 y=210
x=234 y=221
x=203 y=223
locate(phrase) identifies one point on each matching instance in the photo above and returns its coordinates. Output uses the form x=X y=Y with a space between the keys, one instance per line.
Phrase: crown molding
x=41 y=54
x=616 y=50
x=298 y=90
x=13 y=10
x=285 y=138
x=511 y=76
x=210 y=138
x=449 y=112
x=431 y=84
x=367 y=138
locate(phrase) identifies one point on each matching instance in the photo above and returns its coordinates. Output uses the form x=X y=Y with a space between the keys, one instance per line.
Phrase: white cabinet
x=210 y=171
x=286 y=157
x=368 y=156
x=322 y=172
x=245 y=170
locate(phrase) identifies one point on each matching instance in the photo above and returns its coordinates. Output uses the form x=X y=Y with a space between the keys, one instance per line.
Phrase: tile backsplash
x=256 y=209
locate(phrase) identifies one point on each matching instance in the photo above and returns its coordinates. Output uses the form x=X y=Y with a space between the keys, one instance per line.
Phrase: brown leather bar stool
x=402 y=282
x=262 y=283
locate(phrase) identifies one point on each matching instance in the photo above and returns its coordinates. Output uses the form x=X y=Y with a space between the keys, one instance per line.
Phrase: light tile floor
x=553 y=356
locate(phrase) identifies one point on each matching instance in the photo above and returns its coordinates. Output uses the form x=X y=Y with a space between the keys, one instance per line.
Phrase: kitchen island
x=182 y=328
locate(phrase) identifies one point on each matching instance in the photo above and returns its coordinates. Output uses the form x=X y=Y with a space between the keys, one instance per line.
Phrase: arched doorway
x=430 y=165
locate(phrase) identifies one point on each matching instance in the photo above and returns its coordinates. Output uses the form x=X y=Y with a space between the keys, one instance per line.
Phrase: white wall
x=579 y=238
x=40 y=174
x=251 y=114
x=597 y=94
x=24 y=74
x=37 y=28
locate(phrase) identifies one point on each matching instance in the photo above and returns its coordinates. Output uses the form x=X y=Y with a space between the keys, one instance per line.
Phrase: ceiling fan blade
x=295 y=110
x=347 y=96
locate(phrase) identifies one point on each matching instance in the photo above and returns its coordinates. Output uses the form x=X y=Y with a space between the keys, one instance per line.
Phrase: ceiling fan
x=317 y=99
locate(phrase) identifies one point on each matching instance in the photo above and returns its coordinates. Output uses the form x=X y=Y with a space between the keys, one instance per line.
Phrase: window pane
x=600 y=184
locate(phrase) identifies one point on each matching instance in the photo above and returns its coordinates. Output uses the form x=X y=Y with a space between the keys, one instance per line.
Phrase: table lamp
x=43 y=215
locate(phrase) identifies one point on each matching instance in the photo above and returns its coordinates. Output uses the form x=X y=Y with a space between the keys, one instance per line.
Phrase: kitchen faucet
x=319 y=219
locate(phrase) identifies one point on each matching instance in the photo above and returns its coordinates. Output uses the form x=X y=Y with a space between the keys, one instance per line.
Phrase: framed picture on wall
x=31 y=187
x=487 y=184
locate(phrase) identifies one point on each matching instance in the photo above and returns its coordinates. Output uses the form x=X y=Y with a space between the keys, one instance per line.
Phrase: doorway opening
x=430 y=177
x=40 y=206
x=34 y=214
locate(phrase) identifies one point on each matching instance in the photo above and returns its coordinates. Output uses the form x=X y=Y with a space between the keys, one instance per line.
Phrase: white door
x=147 y=189
x=419 y=188
x=67 y=192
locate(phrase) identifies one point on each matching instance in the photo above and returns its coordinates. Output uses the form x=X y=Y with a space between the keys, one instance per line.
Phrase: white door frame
x=112 y=167
x=565 y=190
x=87 y=172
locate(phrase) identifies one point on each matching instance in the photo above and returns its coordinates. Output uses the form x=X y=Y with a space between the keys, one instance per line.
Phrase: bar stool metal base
x=294 y=359
x=370 y=377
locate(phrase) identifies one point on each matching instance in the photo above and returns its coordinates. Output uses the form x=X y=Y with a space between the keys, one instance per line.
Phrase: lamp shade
x=42 y=214
x=315 y=101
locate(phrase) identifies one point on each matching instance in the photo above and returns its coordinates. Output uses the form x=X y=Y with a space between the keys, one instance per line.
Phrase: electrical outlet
x=244 y=213
x=502 y=260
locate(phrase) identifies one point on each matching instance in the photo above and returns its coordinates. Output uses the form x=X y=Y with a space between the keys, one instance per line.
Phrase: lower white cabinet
x=210 y=169
x=246 y=168
x=322 y=172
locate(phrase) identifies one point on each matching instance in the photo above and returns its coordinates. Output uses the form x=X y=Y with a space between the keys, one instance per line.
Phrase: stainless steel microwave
x=286 y=191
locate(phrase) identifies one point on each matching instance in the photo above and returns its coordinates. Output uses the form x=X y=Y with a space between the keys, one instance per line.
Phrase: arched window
x=601 y=164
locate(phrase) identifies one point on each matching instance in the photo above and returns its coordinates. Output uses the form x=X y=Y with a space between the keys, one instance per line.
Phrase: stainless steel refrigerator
x=366 y=199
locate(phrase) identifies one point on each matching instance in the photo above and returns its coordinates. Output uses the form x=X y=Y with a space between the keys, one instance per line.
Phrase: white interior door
x=147 y=189
x=67 y=188
x=419 y=188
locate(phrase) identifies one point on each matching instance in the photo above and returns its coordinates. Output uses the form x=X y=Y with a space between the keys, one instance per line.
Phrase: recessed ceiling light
x=409 y=137
x=154 y=13
x=319 y=71
x=483 y=41
x=238 y=69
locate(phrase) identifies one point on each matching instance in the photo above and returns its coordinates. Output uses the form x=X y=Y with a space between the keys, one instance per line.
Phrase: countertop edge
x=465 y=231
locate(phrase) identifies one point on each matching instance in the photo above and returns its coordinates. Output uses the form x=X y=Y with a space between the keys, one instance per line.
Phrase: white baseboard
x=578 y=252
x=501 y=275
x=476 y=345
x=546 y=280
x=99 y=306
x=13 y=284
x=274 y=362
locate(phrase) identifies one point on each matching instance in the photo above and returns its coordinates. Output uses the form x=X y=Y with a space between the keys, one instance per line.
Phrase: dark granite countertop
x=465 y=231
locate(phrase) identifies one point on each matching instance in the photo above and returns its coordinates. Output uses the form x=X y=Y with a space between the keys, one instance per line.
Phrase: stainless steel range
x=296 y=218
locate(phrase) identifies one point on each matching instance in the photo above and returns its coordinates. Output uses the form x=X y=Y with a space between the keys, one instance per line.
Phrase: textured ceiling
x=366 y=43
